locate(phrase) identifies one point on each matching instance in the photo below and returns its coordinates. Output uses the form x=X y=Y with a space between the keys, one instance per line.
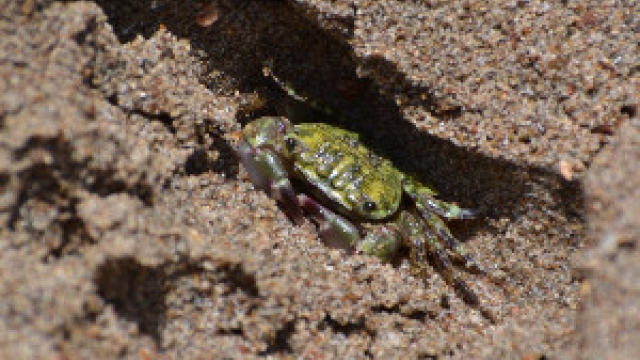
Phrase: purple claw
x=284 y=193
x=335 y=231
x=268 y=174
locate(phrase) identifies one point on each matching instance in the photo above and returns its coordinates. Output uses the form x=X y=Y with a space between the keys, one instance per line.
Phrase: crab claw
x=335 y=231
x=268 y=174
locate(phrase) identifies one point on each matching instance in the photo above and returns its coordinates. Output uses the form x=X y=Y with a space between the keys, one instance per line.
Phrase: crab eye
x=369 y=206
x=290 y=143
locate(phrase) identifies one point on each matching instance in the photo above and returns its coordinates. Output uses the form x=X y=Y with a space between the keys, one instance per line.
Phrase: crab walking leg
x=426 y=243
x=424 y=197
x=457 y=249
x=335 y=231
x=447 y=210
x=383 y=242
x=268 y=173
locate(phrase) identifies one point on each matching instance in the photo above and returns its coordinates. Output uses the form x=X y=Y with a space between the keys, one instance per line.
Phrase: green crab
x=348 y=184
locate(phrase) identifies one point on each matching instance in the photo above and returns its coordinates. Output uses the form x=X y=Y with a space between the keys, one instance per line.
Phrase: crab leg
x=268 y=173
x=424 y=198
x=426 y=243
x=383 y=242
x=431 y=209
x=457 y=249
x=334 y=230
x=445 y=209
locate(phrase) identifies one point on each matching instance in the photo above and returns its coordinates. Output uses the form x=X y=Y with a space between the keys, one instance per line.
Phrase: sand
x=129 y=229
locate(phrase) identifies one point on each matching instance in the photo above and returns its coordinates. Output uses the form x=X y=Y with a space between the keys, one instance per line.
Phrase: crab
x=361 y=202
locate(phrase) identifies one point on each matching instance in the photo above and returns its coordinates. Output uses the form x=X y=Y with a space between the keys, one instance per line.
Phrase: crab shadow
x=248 y=35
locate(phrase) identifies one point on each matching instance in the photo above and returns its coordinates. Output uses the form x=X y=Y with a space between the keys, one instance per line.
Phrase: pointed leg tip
x=489 y=315
x=297 y=219
x=470 y=213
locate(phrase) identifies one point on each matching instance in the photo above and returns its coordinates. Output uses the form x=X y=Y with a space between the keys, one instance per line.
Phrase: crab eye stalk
x=369 y=206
